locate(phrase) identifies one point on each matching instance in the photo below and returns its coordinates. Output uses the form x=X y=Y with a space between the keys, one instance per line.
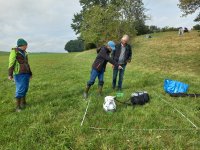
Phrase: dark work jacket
x=102 y=58
x=117 y=52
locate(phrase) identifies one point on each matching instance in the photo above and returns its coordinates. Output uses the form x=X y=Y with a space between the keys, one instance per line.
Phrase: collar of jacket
x=106 y=49
x=22 y=52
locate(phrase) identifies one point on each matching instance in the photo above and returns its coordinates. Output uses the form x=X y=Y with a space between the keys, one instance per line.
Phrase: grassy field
x=56 y=107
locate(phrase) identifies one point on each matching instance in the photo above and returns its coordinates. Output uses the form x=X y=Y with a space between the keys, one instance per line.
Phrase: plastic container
x=118 y=95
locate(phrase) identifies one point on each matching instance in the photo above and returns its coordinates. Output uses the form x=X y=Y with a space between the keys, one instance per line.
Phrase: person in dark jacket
x=122 y=55
x=99 y=66
x=19 y=69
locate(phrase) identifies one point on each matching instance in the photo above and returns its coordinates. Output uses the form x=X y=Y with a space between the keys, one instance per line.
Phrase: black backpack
x=139 y=98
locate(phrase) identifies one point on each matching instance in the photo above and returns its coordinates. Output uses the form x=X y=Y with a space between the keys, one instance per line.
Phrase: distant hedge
x=74 y=46
x=196 y=27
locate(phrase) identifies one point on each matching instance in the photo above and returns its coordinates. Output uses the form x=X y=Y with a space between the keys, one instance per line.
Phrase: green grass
x=56 y=108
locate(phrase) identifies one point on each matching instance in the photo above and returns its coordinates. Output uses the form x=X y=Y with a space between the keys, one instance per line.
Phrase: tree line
x=103 y=20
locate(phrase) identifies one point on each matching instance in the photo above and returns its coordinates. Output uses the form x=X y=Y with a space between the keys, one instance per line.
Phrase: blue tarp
x=172 y=86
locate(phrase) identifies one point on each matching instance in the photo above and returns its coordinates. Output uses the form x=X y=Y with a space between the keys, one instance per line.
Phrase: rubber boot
x=85 y=94
x=23 y=102
x=100 y=90
x=18 y=107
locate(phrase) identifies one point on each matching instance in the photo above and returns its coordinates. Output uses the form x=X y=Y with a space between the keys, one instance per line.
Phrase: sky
x=166 y=13
x=46 y=24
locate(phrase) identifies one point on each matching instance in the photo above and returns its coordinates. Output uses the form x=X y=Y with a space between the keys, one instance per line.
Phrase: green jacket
x=18 y=63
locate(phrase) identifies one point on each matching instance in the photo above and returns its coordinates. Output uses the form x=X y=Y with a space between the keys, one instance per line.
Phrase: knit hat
x=112 y=45
x=21 y=42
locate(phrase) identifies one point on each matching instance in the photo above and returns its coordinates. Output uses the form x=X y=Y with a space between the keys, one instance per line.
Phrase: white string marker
x=163 y=129
x=178 y=111
x=85 y=112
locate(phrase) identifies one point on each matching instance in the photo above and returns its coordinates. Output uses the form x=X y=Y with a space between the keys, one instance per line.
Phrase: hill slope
x=56 y=108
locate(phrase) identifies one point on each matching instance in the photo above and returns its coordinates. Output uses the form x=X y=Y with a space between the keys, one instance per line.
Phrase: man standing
x=19 y=69
x=122 y=55
x=99 y=66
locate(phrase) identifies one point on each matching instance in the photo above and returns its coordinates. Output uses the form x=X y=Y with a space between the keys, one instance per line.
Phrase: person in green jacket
x=19 y=70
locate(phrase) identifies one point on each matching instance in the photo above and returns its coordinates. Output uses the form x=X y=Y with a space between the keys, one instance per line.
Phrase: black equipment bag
x=139 y=98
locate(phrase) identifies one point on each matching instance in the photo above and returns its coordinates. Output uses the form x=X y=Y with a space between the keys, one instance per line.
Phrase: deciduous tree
x=190 y=7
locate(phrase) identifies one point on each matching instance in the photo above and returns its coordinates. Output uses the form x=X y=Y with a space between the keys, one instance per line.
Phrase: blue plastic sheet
x=172 y=86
